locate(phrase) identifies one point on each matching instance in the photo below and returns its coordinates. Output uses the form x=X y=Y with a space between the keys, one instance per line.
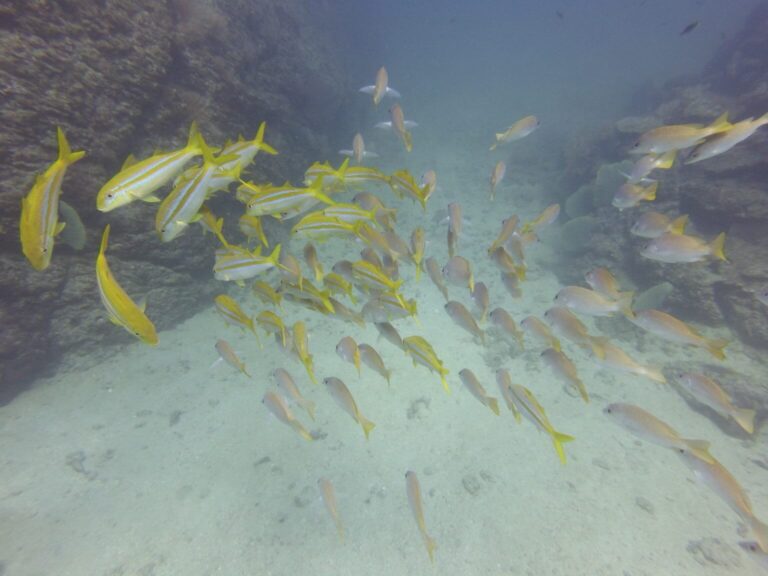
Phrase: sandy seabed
x=152 y=462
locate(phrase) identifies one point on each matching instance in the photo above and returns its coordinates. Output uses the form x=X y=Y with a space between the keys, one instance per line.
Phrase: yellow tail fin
x=717 y=247
x=721 y=124
x=558 y=440
x=677 y=226
x=715 y=347
x=493 y=404
x=65 y=152
x=700 y=449
x=745 y=419
x=650 y=192
x=367 y=426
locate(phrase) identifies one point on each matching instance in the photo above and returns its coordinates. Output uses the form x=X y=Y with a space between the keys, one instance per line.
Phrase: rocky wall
x=128 y=76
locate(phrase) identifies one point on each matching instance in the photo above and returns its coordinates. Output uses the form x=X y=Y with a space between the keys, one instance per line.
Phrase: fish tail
x=558 y=439
x=104 y=240
x=721 y=124
x=443 y=381
x=656 y=375
x=310 y=407
x=244 y=371
x=418 y=271
x=666 y=160
x=760 y=531
x=677 y=226
x=582 y=390
x=65 y=152
x=275 y=256
x=493 y=404
x=296 y=425
x=700 y=449
x=260 y=144
x=556 y=344
x=718 y=247
x=431 y=546
x=408 y=141
x=625 y=303
x=367 y=426
x=471 y=282
x=716 y=348
x=597 y=345
x=194 y=139
x=746 y=419
x=650 y=192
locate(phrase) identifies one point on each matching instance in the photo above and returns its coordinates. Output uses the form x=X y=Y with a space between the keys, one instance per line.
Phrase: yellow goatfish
x=380 y=88
x=421 y=352
x=280 y=410
x=418 y=245
x=235 y=263
x=121 y=309
x=329 y=497
x=517 y=131
x=670 y=328
x=414 y=499
x=476 y=389
x=403 y=183
x=646 y=426
x=678 y=136
x=343 y=398
x=39 y=222
x=209 y=223
x=530 y=408
x=246 y=150
x=228 y=355
x=138 y=181
x=233 y=314
x=398 y=124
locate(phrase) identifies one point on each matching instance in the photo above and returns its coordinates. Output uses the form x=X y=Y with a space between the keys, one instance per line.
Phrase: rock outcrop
x=126 y=77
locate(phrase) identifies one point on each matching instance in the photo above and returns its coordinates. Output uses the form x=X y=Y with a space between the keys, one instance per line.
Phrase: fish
x=547 y=216
x=754 y=551
x=318 y=226
x=390 y=334
x=504 y=321
x=140 y=180
x=648 y=427
x=505 y=262
x=286 y=201
x=398 y=125
x=591 y=303
x=417 y=248
x=497 y=175
x=349 y=352
x=451 y=240
x=537 y=329
x=414 y=499
x=232 y=313
x=508 y=226
x=73 y=233
x=39 y=223
x=402 y=183
x=372 y=279
x=481 y=299
x=707 y=391
x=329 y=497
x=290 y=269
x=272 y=323
x=385 y=217
x=724 y=141
x=455 y=218
x=504 y=381
x=280 y=410
x=677 y=136
x=630 y=195
x=643 y=167
x=534 y=412
x=672 y=329
x=183 y=204
x=121 y=310
x=350 y=213
x=717 y=478
x=210 y=223
x=458 y=271
x=358 y=152
x=235 y=263
x=227 y=354
x=436 y=275
x=573 y=329
x=678 y=248
x=518 y=130
x=310 y=255
x=287 y=386
x=252 y=228
x=341 y=312
x=308 y=292
x=325 y=177
x=652 y=225
x=301 y=346
x=601 y=280
x=379 y=241
x=381 y=87
x=421 y=352
x=462 y=317
x=371 y=358
x=565 y=369
x=386 y=306
x=337 y=284
x=343 y=398
x=615 y=358
x=266 y=293
x=476 y=389
x=689 y=28
x=428 y=181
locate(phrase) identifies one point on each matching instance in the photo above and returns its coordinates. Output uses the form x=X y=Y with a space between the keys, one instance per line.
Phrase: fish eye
x=110 y=195
x=609 y=410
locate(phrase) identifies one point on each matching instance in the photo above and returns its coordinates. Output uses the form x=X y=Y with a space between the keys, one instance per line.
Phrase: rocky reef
x=725 y=193
x=126 y=77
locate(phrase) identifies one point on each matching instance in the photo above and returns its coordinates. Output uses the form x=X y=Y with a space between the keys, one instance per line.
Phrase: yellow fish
x=414 y=499
x=40 y=208
x=233 y=314
x=138 y=181
x=121 y=309
x=517 y=131
x=533 y=411
x=301 y=346
x=678 y=136
x=421 y=352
